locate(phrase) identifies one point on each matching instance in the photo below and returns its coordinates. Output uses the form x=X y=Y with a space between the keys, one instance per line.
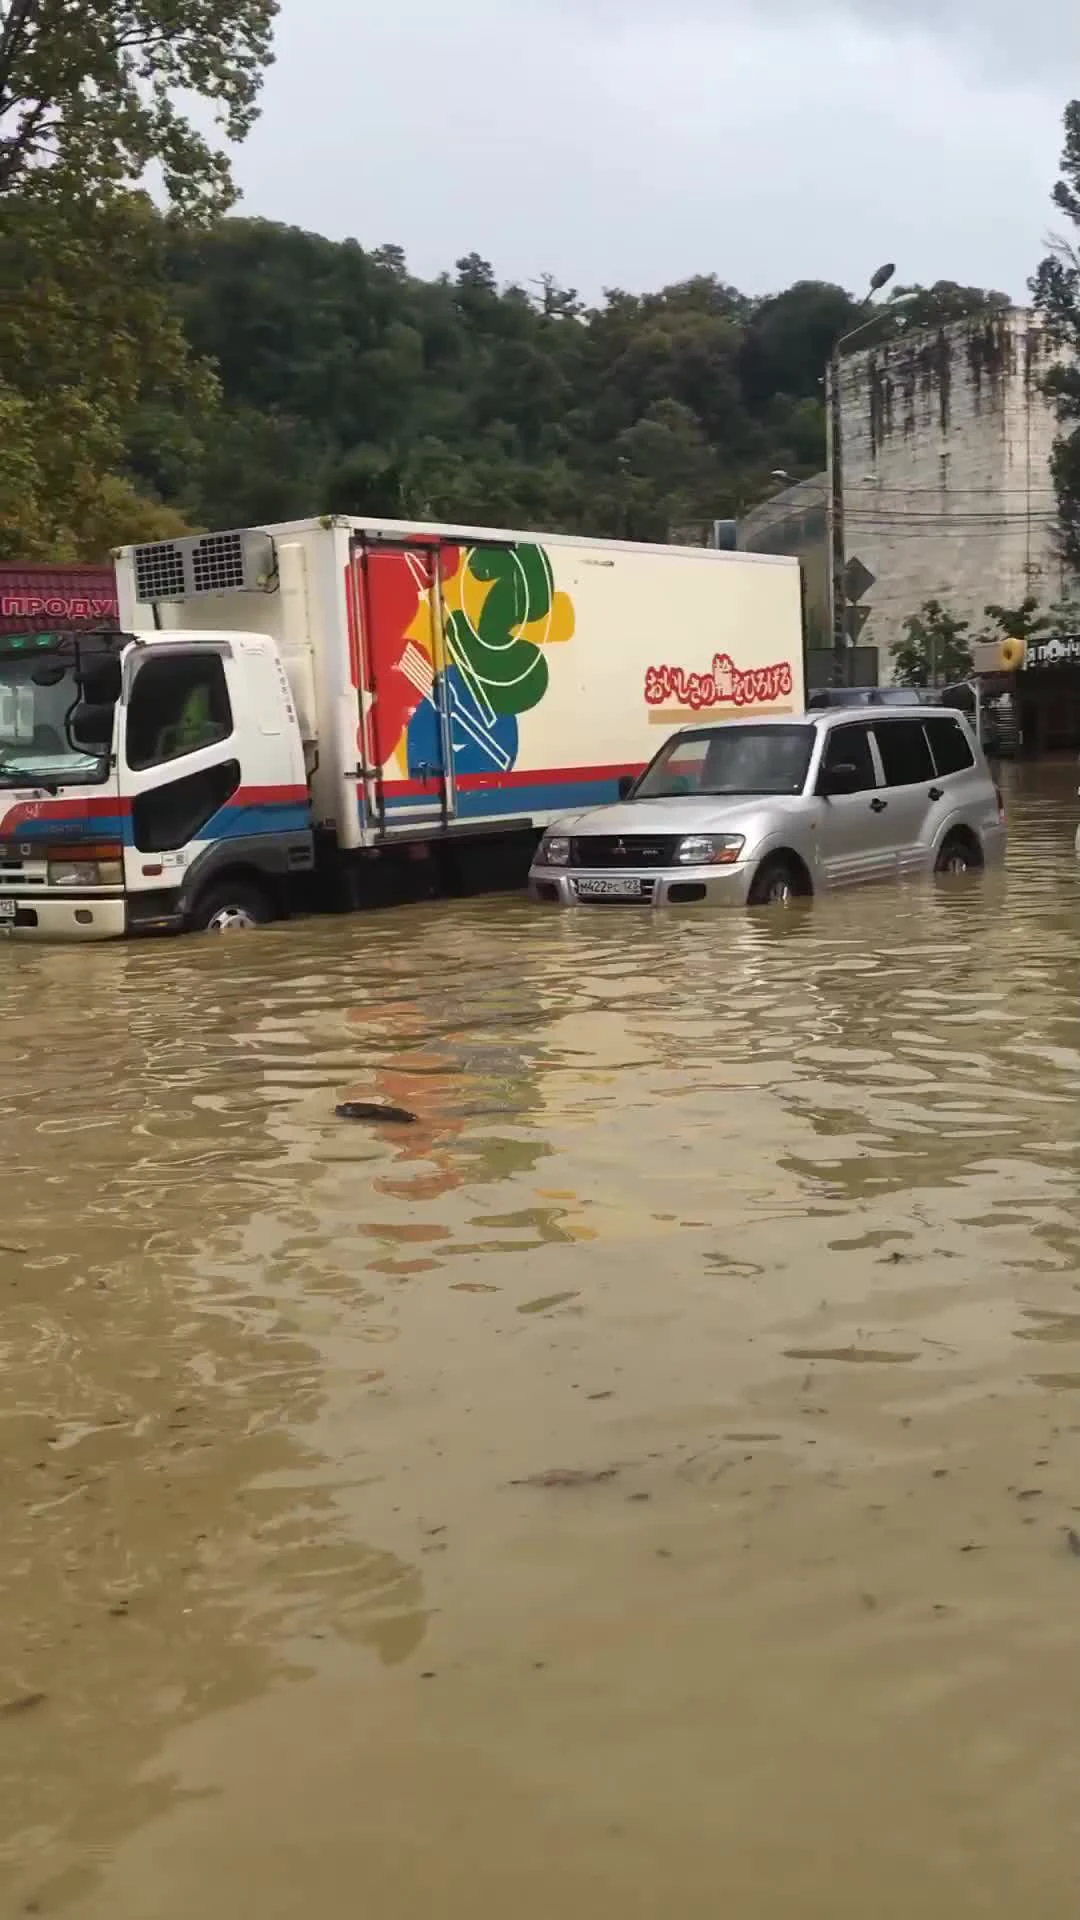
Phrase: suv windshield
x=730 y=759
x=56 y=714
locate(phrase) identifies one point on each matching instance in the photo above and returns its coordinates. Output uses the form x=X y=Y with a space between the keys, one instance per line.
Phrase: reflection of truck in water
x=329 y=709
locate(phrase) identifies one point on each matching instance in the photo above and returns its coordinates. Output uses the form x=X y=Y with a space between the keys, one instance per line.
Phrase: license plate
x=7 y=909
x=609 y=889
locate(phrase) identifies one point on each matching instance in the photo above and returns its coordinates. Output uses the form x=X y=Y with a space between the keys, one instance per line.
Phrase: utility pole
x=837 y=554
x=838 y=598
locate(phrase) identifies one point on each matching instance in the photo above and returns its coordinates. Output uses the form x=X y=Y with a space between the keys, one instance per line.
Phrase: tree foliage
x=1028 y=621
x=90 y=338
x=934 y=651
x=89 y=93
x=350 y=385
x=1056 y=287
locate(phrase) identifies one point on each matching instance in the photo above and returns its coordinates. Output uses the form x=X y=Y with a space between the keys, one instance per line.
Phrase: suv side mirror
x=841 y=778
x=627 y=783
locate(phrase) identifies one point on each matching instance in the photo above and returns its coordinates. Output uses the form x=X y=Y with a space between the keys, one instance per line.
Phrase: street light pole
x=837 y=557
x=838 y=600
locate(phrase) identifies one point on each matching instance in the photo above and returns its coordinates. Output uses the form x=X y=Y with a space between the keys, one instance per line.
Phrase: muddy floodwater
x=648 y=1485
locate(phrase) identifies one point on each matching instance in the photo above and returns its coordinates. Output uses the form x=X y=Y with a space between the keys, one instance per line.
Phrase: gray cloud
x=989 y=35
x=613 y=144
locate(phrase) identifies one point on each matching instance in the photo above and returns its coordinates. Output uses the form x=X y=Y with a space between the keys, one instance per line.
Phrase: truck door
x=404 y=701
x=180 y=756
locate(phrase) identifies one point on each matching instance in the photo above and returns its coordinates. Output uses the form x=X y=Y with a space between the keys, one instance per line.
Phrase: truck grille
x=625 y=850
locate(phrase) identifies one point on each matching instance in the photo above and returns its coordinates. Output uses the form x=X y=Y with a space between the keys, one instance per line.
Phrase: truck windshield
x=56 y=712
x=730 y=759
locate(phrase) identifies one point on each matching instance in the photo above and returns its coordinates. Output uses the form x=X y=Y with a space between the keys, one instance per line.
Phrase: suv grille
x=625 y=850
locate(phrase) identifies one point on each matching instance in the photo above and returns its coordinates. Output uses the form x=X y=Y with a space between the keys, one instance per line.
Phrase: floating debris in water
x=567 y=1477
x=375 y=1112
x=22 y=1703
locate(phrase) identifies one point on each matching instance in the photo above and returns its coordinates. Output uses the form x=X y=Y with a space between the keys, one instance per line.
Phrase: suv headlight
x=554 y=850
x=710 y=849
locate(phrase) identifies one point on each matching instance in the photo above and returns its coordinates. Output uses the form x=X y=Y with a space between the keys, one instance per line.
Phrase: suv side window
x=950 y=746
x=905 y=754
x=850 y=746
x=179 y=703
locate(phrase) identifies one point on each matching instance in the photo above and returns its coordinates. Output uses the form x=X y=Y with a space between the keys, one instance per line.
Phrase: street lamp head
x=882 y=276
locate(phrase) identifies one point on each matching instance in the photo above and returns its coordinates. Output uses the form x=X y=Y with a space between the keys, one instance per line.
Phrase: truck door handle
x=878 y=806
x=936 y=793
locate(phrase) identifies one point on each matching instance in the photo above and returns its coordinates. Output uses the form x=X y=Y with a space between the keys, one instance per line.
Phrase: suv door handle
x=936 y=793
x=878 y=806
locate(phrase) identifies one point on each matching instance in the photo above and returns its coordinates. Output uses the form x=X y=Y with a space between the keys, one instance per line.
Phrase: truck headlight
x=86 y=873
x=710 y=849
x=554 y=850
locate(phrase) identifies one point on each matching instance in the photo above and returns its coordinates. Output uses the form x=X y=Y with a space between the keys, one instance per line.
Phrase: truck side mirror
x=90 y=728
x=627 y=784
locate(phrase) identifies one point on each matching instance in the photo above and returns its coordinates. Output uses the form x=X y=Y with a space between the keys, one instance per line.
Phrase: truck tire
x=232 y=906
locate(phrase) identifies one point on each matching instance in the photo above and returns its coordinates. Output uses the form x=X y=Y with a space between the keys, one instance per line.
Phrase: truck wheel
x=230 y=907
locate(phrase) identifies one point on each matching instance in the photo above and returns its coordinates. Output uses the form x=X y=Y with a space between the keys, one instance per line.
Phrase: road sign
x=855 y=619
x=858 y=579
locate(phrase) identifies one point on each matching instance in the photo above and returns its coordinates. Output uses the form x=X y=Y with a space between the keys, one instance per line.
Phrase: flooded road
x=643 y=1485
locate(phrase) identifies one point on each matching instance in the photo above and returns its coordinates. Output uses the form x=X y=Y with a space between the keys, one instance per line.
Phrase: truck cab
x=148 y=782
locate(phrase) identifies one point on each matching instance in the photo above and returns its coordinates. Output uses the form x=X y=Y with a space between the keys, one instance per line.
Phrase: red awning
x=35 y=599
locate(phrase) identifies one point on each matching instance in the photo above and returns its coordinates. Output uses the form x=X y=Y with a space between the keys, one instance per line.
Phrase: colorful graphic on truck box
x=675 y=695
x=458 y=632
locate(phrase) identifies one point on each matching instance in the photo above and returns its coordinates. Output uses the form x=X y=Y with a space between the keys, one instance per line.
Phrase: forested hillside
x=347 y=384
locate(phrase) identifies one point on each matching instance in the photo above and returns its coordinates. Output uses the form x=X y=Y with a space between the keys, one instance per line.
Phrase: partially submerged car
x=761 y=812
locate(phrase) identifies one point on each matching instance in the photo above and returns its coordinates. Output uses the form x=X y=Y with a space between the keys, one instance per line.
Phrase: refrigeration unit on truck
x=289 y=714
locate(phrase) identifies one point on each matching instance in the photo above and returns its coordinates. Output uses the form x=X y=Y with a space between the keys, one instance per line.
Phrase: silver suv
x=756 y=812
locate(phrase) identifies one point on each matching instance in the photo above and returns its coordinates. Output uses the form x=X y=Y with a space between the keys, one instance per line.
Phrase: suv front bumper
x=645 y=887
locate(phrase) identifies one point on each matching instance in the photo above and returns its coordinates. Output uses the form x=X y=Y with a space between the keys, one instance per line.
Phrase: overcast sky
x=634 y=142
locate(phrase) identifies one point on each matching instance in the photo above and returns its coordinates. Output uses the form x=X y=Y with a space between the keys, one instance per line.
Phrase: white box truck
x=310 y=712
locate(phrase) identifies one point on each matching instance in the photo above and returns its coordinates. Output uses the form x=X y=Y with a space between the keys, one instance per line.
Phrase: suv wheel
x=958 y=854
x=775 y=884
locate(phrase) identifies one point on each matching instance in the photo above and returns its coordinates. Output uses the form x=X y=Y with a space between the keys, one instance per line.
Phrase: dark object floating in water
x=1072 y=1541
x=567 y=1477
x=22 y=1703
x=372 y=1110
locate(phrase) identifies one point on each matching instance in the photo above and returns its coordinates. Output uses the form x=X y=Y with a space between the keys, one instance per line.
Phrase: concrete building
x=947 y=439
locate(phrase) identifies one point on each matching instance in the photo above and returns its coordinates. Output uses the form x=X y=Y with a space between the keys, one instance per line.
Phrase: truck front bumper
x=43 y=917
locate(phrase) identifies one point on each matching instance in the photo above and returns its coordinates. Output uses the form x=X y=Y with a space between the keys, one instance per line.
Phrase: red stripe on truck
x=517 y=777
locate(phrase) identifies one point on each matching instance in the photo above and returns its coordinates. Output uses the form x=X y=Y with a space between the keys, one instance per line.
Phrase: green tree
x=89 y=93
x=90 y=338
x=1056 y=288
x=1023 y=622
x=912 y=308
x=934 y=651
x=85 y=330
